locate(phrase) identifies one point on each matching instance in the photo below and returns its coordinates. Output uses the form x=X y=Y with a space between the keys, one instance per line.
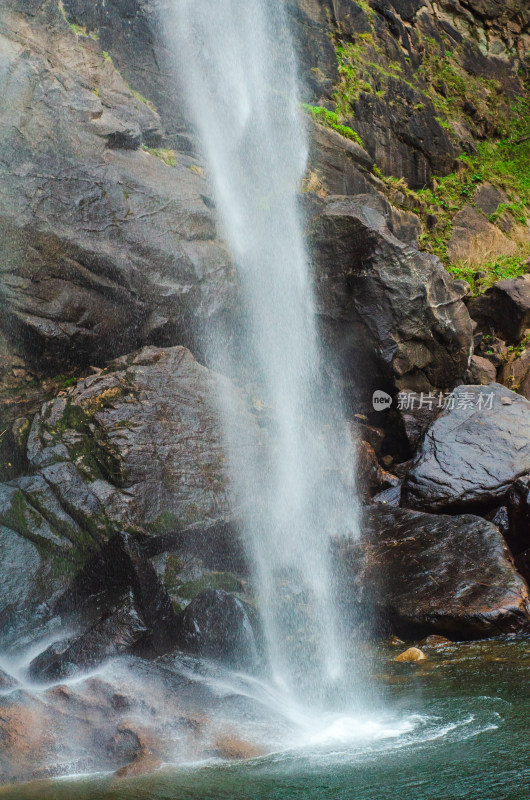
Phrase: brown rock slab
x=234 y=748
x=412 y=654
x=482 y=371
x=434 y=640
x=475 y=239
x=369 y=473
x=516 y=374
x=144 y=764
x=488 y=198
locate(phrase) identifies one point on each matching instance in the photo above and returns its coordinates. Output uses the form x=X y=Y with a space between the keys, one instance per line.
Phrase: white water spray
x=237 y=67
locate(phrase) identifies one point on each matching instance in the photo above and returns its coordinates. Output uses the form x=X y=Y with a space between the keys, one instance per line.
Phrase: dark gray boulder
x=118 y=632
x=390 y=313
x=137 y=446
x=417 y=573
x=505 y=308
x=473 y=453
x=218 y=625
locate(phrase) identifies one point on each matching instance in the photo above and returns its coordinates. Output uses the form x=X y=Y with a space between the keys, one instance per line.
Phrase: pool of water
x=456 y=726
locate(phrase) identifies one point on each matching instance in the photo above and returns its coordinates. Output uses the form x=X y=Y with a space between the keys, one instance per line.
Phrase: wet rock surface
x=137 y=446
x=111 y=722
x=218 y=625
x=426 y=573
x=118 y=632
x=105 y=245
x=391 y=313
x=473 y=453
x=117 y=519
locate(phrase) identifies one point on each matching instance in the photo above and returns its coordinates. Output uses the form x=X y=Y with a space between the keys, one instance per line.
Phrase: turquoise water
x=459 y=729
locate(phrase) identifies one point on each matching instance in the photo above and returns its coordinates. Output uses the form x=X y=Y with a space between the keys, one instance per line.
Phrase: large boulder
x=219 y=625
x=86 y=726
x=135 y=447
x=421 y=573
x=391 y=313
x=505 y=308
x=474 y=451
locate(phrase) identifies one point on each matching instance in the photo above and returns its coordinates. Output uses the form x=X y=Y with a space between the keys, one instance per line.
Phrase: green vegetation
x=496 y=270
x=503 y=163
x=169 y=157
x=64 y=380
x=366 y=7
x=331 y=120
x=455 y=93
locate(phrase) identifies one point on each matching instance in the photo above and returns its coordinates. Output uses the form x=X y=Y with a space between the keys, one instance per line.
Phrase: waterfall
x=237 y=67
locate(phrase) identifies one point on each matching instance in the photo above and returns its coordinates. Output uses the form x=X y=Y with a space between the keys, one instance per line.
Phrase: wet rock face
x=87 y=726
x=423 y=573
x=138 y=446
x=132 y=32
x=21 y=564
x=104 y=246
x=391 y=313
x=220 y=626
x=473 y=453
x=118 y=632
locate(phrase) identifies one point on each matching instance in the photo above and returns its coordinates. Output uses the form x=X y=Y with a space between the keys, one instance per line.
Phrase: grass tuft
x=331 y=120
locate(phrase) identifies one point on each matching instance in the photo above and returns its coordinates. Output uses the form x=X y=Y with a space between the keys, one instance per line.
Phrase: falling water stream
x=238 y=72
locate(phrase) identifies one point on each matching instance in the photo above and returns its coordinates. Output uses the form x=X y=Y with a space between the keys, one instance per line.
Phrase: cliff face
x=418 y=173
x=419 y=81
